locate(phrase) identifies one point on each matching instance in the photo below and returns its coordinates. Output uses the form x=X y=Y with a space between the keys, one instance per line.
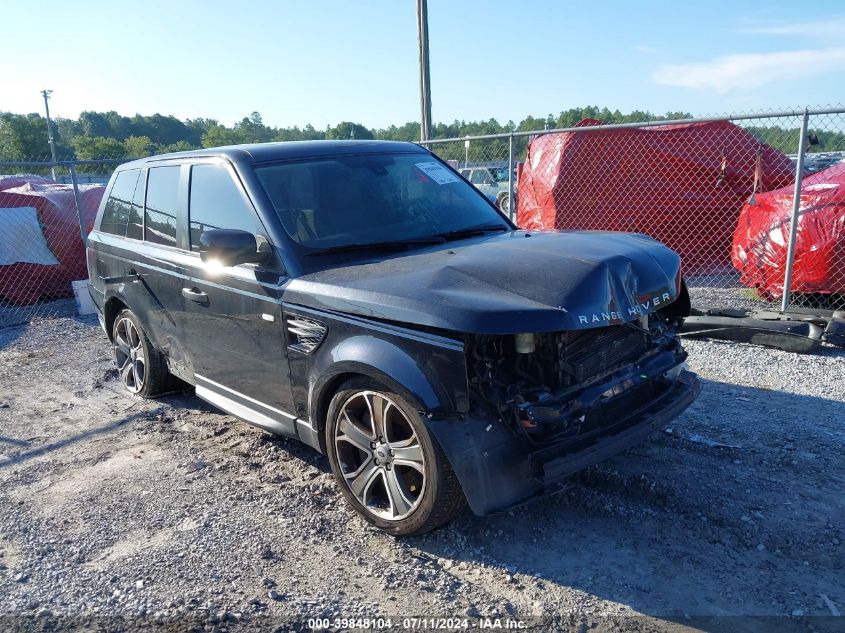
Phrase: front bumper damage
x=498 y=469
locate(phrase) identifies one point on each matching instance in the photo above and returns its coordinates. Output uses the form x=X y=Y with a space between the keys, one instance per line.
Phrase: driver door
x=234 y=326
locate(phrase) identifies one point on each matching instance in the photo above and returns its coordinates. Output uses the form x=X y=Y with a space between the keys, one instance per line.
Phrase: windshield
x=346 y=200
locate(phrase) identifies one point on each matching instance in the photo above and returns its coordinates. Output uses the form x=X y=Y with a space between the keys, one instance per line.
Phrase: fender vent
x=305 y=334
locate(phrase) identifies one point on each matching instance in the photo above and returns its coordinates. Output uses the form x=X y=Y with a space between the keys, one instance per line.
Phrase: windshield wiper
x=472 y=231
x=380 y=246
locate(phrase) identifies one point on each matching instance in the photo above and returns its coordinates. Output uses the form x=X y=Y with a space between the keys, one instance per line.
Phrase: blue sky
x=323 y=61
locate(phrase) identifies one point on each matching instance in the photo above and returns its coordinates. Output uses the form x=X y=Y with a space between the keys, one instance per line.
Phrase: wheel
x=389 y=467
x=141 y=367
x=504 y=203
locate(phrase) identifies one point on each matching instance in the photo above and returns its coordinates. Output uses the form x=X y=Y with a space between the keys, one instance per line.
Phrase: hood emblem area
x=305 y=335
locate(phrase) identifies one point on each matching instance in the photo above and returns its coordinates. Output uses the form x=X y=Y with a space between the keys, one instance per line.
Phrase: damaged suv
x=364 y=298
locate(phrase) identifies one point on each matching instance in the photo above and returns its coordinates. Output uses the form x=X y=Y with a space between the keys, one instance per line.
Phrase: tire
x=140 y=366
x=504 y=204
x=404 y=484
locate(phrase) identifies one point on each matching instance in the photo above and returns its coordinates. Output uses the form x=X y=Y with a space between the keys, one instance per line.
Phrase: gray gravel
x=117 y=510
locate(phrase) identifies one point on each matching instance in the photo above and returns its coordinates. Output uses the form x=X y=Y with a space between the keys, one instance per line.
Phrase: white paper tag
x=437 y=172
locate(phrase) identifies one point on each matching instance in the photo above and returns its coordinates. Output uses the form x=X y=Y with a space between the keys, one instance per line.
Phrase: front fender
x=426 y=376
x=428 y=370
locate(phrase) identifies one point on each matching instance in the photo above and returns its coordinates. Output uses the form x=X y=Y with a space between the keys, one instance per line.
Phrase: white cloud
x=834 y=27
x=748 y=71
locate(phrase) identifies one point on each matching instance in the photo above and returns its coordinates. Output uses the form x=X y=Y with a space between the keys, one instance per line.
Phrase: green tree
x=139 y=146
x=251 y=129
x=23 y=137
x=348 y=130
x=87 y=148
x=218 y=135
x=95 y=124
x=181 y=146
x=407 y=132
x=162 y=130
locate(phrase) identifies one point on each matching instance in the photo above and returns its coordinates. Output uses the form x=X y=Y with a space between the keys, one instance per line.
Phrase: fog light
x=673 y=373
x=524 y=343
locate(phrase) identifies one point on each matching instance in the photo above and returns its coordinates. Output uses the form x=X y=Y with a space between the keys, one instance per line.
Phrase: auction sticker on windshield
x=437 y=172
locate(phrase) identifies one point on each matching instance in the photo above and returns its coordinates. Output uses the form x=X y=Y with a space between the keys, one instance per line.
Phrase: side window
x=216 y=202
x=135 y=228
x=162 y=205
x=116 y=213
x=481 y=177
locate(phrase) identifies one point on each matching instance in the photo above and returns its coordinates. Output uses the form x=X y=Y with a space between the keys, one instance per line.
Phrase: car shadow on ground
x=20 y=457
x=729 y=502
x=187 y=399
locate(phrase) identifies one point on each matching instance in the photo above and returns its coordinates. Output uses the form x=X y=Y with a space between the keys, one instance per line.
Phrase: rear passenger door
x=138 y=246
x=161 y=260
x=233 y=314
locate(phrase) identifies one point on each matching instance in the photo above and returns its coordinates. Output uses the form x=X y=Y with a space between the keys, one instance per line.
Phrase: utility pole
x=47 y=94
x=425 y=77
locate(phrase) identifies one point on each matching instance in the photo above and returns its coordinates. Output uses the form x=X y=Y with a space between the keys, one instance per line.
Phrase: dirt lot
x=122 y=512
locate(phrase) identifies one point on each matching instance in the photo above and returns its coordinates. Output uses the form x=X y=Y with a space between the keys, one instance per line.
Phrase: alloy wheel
x=129 y=355
x=379 y=455
x=504 y=204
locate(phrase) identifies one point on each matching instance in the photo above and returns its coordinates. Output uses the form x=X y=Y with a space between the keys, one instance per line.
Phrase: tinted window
x=162 y=205
x=481 y=177
x=116 y=213
x=373 y=198
x=217 y=203
x=135 y=228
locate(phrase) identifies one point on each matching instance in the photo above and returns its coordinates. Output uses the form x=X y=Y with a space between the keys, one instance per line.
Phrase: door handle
x=197 y=296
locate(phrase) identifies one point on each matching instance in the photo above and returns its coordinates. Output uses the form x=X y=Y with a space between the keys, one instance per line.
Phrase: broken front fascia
x=571 y=405
x=499 y=468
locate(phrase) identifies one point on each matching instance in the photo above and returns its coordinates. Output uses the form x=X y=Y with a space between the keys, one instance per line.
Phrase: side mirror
x=230 y=247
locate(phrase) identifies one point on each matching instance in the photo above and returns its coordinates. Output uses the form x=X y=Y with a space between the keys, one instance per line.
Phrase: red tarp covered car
x=682 y=184
x=762 y=236
x=41 y=249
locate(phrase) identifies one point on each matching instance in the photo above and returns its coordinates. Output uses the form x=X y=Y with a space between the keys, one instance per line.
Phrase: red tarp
x=762 y=237
x=682 y=184
x=24 y=282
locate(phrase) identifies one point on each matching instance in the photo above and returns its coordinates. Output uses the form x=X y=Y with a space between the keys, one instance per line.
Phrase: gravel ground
x=119 y=512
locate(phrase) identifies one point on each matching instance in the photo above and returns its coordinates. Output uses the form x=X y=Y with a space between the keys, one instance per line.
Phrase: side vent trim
x=305 y=334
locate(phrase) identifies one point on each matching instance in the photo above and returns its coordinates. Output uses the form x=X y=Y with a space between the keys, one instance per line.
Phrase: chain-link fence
x=46 y=211
x=721 y=191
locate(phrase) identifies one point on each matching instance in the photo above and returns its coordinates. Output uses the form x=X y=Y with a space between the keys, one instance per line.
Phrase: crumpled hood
x=504 y=283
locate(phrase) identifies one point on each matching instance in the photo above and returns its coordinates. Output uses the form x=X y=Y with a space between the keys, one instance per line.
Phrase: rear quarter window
x=135 y=227
x=119 y=203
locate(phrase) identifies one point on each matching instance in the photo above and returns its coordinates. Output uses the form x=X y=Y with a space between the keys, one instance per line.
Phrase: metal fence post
x=510 y=178
x=796 y=206
x=73 y=180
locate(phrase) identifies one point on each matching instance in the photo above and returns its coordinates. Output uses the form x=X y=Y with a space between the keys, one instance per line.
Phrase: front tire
x=140 y=366
x=389 y=467
x=504 y=203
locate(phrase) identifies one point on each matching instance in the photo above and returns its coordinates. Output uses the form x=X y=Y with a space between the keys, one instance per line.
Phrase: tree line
x=98 y=135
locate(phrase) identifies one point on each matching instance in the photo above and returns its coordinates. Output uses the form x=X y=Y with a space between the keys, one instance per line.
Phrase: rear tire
x=140 y=366
x=389 y=467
